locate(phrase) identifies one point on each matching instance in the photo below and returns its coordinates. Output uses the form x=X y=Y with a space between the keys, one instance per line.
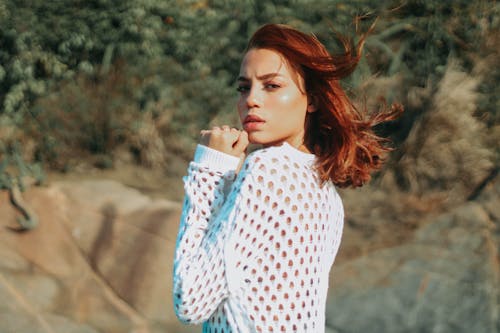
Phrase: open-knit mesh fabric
x=258 y=258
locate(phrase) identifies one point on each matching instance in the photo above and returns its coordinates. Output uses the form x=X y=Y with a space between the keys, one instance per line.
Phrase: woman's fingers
x=241 y=144
x=224 y=139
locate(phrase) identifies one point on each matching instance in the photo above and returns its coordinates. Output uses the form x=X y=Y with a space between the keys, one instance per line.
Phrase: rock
x=99 y=261
x=445 y=280
x=130 y=244
x=96 y=193
x=20 y=323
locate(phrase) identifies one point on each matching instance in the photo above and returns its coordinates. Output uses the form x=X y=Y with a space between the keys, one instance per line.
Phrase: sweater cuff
x=215 y=160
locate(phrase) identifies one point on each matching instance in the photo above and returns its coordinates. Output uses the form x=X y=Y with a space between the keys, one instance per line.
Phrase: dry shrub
x=374 y=87
x=97 y=122
x=11 y=135
x=82 y=118
x=381 y=214
x=146 y=141
x=447 y=154
x=446 y=151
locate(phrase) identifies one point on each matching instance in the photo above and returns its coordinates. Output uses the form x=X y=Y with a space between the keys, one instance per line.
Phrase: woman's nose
x=253 y=99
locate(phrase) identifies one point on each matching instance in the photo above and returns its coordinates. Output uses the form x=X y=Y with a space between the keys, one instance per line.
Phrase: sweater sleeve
x=199 y=277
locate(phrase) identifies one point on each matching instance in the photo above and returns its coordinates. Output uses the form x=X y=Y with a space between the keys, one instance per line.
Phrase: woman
x=255 y=246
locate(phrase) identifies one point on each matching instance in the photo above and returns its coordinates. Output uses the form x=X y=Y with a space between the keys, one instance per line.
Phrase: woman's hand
x=227 y=140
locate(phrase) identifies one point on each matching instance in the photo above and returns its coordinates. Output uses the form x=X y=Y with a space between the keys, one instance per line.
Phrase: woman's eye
x=243 y=88
x=272 y=86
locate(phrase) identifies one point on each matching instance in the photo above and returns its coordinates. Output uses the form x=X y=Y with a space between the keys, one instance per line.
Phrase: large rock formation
x=99 y=261
x=445 y=280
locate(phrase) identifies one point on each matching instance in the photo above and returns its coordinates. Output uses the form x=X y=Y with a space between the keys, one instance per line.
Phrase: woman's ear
x=311 y=104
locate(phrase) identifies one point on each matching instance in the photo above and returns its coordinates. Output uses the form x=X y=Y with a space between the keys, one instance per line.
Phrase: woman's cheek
x=241 y=110
x=284 y=99
x=290 y=101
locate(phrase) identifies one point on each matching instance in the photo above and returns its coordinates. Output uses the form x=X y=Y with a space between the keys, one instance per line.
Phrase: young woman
x=256 y=243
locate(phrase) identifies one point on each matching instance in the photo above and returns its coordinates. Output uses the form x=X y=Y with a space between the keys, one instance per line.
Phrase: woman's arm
x=199 y=277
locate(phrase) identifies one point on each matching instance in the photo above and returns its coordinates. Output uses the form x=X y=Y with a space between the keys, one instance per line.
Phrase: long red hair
x=341 y=137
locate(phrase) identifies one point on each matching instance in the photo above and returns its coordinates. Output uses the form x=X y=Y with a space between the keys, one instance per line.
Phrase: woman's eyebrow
x=260 y=77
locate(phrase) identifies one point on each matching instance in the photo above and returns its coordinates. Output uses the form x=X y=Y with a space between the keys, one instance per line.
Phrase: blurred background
x=101 y=103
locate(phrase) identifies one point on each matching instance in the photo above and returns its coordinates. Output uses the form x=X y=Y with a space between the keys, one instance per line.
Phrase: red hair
x=341 y=137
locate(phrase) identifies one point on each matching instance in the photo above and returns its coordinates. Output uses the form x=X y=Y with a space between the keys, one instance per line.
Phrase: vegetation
x=86 y=81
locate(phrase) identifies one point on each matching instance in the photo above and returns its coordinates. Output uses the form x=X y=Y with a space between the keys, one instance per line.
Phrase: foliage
x=80 y=79
x=14 y=169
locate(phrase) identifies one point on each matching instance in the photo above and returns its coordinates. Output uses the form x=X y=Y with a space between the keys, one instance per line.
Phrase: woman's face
x=273 y=103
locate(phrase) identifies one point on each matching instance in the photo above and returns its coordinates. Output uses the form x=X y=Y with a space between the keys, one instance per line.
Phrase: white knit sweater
x=253 y=254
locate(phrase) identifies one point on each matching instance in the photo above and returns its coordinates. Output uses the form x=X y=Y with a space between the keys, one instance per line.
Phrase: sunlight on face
x=272 y=105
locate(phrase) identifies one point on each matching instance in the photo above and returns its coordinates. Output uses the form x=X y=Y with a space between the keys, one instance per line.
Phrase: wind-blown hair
x=341 y=137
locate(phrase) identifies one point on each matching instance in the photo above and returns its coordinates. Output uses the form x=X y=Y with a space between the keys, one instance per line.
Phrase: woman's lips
x=252 y=123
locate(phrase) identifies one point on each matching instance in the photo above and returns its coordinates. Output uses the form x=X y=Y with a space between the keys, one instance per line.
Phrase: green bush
x=87 y=78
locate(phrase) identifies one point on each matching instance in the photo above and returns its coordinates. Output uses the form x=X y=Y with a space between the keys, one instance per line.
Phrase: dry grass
x=446 y=151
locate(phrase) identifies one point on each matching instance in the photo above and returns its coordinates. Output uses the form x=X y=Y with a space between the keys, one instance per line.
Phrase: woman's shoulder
x=264 y=154
x=283 y=153
x=263 y=158
x=276 y=161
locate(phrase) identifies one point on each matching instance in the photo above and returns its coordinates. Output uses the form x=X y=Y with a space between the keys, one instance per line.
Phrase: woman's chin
x=255 y=142
x=257 y=138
